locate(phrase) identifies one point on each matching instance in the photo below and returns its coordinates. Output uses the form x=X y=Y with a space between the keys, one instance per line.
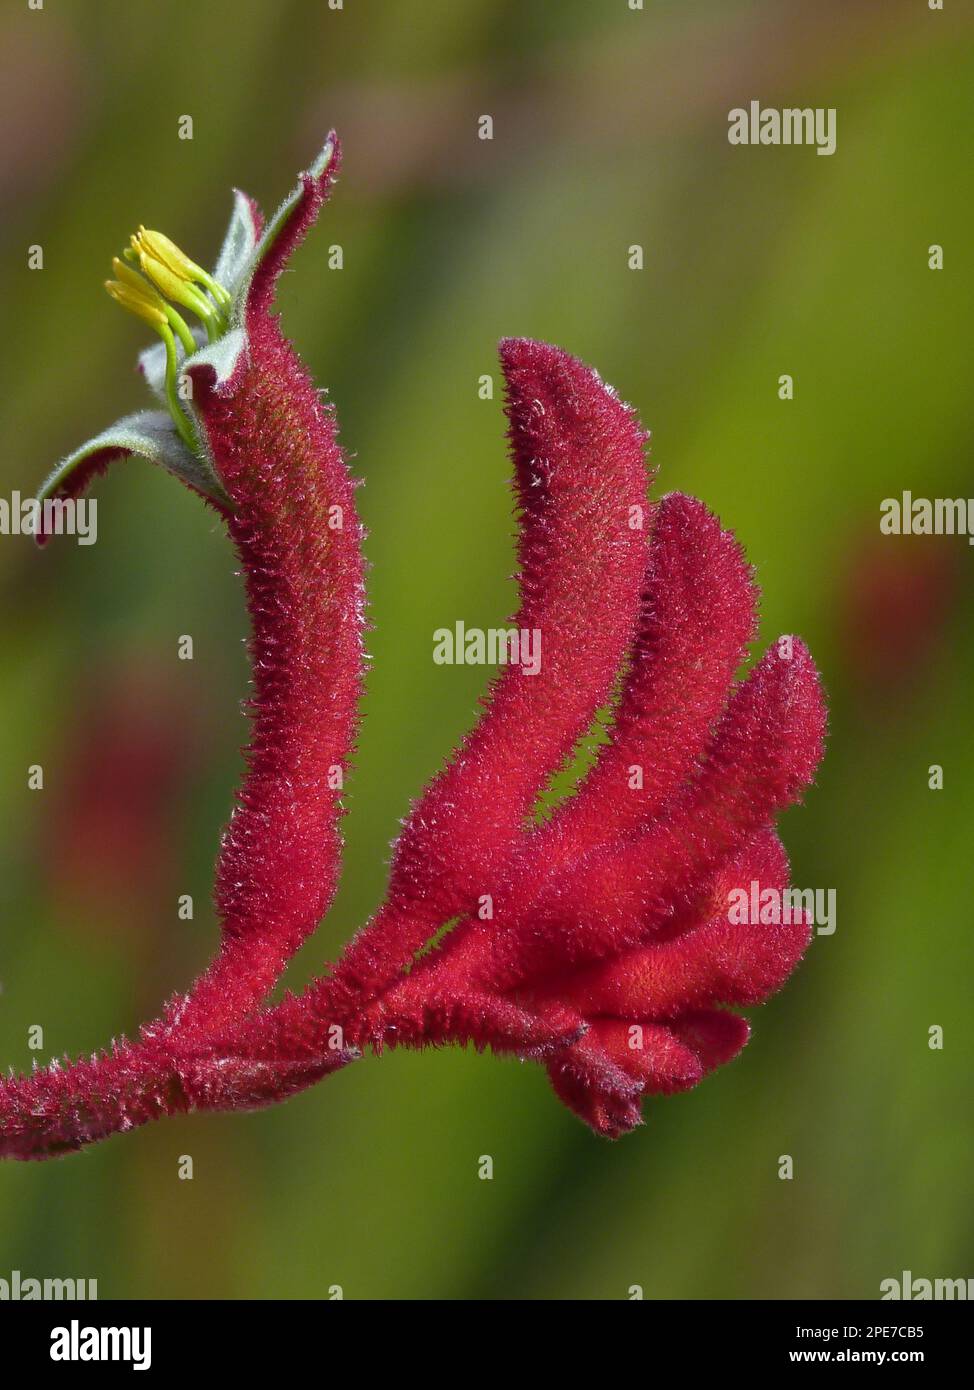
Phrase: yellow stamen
x=150 y=243
x=143 y=302
x=173 y=286
x=174 y=276
x=128 y=276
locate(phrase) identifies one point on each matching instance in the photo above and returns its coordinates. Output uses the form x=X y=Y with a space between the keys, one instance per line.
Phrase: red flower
x=597 y=941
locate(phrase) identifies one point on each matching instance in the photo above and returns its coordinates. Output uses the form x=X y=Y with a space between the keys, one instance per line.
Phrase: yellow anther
x=150 y=243
x=174 y=286
x=147 y=244
x=140 y=300
x=128 y=276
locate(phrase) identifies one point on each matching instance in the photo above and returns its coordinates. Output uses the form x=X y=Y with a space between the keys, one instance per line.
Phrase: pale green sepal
x=223 y=355
x=239 y=244
x=150 y=434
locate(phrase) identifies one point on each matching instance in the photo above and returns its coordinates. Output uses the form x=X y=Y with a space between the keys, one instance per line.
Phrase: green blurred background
x=609 y=130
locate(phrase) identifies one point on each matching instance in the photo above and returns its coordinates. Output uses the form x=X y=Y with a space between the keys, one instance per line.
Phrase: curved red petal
x=697 y=617
x=580 y=469
x=713 y=1035
x=313 y=191
x=720 y=961
x=765 y=752
x=274 y=444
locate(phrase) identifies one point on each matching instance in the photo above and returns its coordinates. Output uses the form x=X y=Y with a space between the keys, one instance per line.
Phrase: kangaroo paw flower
x=607 y=953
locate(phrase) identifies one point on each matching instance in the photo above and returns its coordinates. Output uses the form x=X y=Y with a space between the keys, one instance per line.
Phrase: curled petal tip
x=328 y=159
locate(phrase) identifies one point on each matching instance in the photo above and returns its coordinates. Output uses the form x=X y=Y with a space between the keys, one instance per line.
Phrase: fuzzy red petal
x=697 y=617
x=299 y=541
x=720 y=961
x=765 y=752
x=713 y=1035
x=293 y=221
x=580 y=469
x=59 y=1109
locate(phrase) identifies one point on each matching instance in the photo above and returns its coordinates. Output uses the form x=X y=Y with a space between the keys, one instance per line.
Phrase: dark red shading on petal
x=256 y=211
x=77 y=484
x=314 y=192
x=603 y=1077
x=596 y=1089
x=713 y=1035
